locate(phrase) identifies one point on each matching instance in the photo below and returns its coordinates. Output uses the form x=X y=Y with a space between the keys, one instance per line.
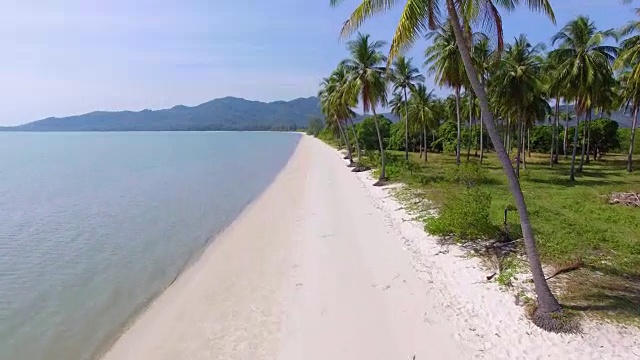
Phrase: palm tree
x=444 y=61
x=484 y=59
x=418 y=15
x=518 y=85
x=630 y=60
x=421 y=109
x=584 y=64
x=336 y=102
x=366 y=70
x=327 y=93
x=404 y=76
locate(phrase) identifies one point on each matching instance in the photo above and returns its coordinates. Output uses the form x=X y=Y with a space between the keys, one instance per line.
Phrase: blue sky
x=69 y=57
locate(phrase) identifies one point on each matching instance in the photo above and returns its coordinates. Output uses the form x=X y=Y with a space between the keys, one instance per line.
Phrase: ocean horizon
x=95 y=225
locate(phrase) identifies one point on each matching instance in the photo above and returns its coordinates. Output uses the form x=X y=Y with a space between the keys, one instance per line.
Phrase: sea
x=93 y=226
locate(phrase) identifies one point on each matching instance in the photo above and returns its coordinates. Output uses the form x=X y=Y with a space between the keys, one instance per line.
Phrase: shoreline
x=190 y=270
x=101 y=351
x=323 y=265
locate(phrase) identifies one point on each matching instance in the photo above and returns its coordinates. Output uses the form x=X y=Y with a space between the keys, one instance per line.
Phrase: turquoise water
x=93 y=225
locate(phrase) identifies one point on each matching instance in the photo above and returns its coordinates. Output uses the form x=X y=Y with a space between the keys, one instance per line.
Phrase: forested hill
x=227 y=113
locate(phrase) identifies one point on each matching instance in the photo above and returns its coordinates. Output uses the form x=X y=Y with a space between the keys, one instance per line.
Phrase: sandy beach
x=325 y=266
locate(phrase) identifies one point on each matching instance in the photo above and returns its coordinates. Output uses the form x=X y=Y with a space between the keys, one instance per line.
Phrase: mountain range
x=227 y=113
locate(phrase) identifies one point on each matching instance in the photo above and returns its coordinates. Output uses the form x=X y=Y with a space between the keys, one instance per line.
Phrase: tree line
x=499 y=92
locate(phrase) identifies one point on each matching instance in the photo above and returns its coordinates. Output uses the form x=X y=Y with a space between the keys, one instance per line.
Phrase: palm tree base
x=557 y=322
x=360 y=168
x=381 y=182
x=352 y=165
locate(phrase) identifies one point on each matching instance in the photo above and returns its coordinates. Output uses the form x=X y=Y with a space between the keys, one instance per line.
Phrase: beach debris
x=628 y=199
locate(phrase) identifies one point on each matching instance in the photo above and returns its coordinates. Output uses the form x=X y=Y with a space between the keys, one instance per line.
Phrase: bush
x=465 y=217
x=467 y=173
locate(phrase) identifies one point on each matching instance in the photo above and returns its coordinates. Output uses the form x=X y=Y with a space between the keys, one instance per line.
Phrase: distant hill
x=227 y=113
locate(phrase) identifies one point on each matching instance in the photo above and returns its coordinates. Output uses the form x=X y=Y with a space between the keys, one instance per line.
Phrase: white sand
x=324 y=266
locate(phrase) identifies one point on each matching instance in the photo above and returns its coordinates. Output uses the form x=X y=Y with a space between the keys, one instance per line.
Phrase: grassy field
x=571 y=222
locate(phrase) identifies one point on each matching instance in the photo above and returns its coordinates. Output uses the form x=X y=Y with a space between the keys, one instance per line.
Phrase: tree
x=485 y=61
x=518 y=86
x=444 y=61
x=370 y=127
x=336 y=101
x=420 y=109
x=404 y=77
x=584 y=64
x=630 y=60
x=368 y=81
x=418 y=15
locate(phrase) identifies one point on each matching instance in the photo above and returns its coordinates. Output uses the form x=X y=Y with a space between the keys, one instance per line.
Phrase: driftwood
x=629 y=199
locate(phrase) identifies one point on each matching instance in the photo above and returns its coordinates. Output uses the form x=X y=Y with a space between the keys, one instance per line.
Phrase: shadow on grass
x=605 y=295
x=580 y=181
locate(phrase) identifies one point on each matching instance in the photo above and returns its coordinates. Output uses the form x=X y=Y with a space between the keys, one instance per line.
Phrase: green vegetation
x=499 y=94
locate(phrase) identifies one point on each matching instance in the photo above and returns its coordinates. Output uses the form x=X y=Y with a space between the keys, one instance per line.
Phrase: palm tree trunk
x=633 y=139
x=355 y=139
x=508 y=137
x=470 y=128
x=566 y=133
x=458 y=117
x=584 y=140
x=519 y=151
x=346 y=136
x=421 y=145
x=524 y=138
x=588 y=137
x=346 y=141
x=406 y=127
x=554 y=132
x=481 y=141
x=383 y=174
x=529 y=143
x=572 y=177
x=424 y=133
x=547 y=303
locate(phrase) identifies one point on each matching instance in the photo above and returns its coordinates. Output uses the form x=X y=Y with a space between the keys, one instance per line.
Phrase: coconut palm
x=421 y=109
x=444 y=61
x=336 y=102
x=419 y=15
x=485 y=62
x=584 y=64
x=327 y=93
x=630 y=61
x=518 y=85
x=405 y=76
x=367 y=73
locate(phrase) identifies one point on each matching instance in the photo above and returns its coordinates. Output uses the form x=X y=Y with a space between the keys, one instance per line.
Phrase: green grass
x=570 y=222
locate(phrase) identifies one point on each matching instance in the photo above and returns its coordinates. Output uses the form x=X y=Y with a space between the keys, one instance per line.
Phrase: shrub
x=465 y=217
x=467 y=173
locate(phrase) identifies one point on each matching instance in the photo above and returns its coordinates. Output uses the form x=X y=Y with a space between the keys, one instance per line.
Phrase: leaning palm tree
x=584 y=64
x=405 y=76
x=419 y=15
x=367 y=72
x=444 y=61
x=327 y=93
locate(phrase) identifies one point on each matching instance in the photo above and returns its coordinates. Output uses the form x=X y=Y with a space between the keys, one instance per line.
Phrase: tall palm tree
x=336 y=102
x=404 y=77
x=630 y=61
x=444 y=61
x=584 y=64
x=327 y=94
x=367 y=72
x=518 y=85
x=418 y=15
x=421 y=108
x=485 y=61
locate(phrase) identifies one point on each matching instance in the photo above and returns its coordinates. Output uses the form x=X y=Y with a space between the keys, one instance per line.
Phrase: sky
x=69 y=57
